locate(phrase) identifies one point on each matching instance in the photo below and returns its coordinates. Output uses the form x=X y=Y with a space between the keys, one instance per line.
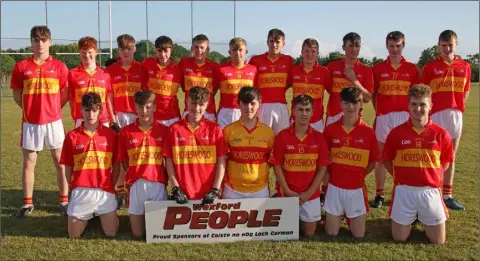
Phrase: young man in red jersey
x=90 y=151
x=195 y=153
x=418 y=152
x=90 y=77
x=39 y=86
x=354 y=152
x=198 y=71
x=273 y=69
x=300 y=160
x=392 y=79
x=230 y=78
x=163 y=79
x=449 y=77
x=140 y=148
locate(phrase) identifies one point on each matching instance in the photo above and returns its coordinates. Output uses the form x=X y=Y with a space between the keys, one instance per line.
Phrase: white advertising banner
x=227 y=220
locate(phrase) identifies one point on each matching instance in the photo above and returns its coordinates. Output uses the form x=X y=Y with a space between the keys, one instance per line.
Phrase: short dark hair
x=248 y=94
x=351 y=94
x=199 y=94
x=447 y=35
x=352 y=37
x=143 y=97
x=276 y=34
x=91 y=100
x=163 y=42
x=310 y=42
x=125 y=40
x=40 y=32
x=199 y=38
x=419 y=91
x=302 y=99
x=395 y=36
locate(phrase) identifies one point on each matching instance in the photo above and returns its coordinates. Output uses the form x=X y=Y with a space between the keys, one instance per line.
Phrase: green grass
x=44 y=234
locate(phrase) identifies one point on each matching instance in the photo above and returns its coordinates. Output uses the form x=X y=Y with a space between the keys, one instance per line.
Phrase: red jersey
x=312 y=83
x=230 y=80
x=418 y=157
x=273 y=76
x=194 y=153
x=164 y=82
x=300 y=158
x=193 y=74
x=91 y=156
x=392 y=84
x=126 y=81
x=339 y=81
x=351 y=152
x=80 y=82
x=449 y=82
x=41 y=87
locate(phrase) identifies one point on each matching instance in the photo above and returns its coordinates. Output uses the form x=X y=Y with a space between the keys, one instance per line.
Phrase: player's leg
x=334 y=210
x=110 y=223
x=265 y=115
x=403 y=211
x=449 y=173
x=380 y=173
x=356 y=209
x=106 y=209
x=436 y=234
x=137 y=224
x=319 y=125
x=400 y=232
x=76 y=227
x=310 y=213
x=80 y=210
x=332 y=224
x=282 y=119
x=357 y=226
x=433 y=213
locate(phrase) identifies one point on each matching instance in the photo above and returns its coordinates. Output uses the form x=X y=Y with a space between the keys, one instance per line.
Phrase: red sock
x=63 y=199
x=120 y=190
x=28 y=201
x=380 y=192
x=324 y=189
x=447 y=189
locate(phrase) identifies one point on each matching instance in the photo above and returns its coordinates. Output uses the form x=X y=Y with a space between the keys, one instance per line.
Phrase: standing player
x=195 y=152
x=354 y=152
x=140 y=148
x=273 y=69
x=230 y=78
x=417 y=153
x=249 y=143
x=300 y=159
x=449 y=77
x=198 y=71
x=89 y=157
x=311 y=78
x=90 y=77
x=392 y=79
x=163 y=79
x=39 y=86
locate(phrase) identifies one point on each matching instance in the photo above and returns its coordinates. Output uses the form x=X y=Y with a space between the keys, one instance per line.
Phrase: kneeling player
x=140 y=151
x=354 y=151
x=418 y=152
x=249 y=142
x=195 y=152
x=300 y=159
x=88 y=154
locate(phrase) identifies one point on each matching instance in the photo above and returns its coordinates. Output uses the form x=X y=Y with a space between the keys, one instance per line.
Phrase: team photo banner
x=226 y=220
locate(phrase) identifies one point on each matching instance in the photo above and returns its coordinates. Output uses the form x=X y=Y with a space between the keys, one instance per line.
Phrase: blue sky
x=421 y=22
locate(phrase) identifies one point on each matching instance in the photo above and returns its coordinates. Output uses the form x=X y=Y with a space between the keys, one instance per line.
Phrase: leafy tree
x=474 y=61
x=141 y=52
x=428 y=55
x=215 y=56
x=7 y=63
x=179 y=52
x=376 y=60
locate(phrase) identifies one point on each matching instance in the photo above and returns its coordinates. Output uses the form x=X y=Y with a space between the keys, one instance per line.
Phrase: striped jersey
x=230 y=79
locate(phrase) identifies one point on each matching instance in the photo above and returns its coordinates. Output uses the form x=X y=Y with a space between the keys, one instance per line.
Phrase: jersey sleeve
x=469 y=77
x=328 y=88
x=16 y=82
x=416 y=79
x=216 y=79
x=167 y=144
x=108 y=83
x=122 y=154
x=252 y=61
x=277 y=154
x=71 y=89
x=66 y=157
x=220 y=144
x=376 y=81
x=374 y=150
x=323 y=152
x=389 y=150
x=425 y=78
x=368 y=79
x=181 y=71
x=446 y=154
x=63 y=76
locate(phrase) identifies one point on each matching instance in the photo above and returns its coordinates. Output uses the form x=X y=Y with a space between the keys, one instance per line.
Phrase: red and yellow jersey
x=143 y=150
x=312 y=83
x=80 y=82
x=90 y=155
x=273 y=76
x=41 y=87
x=392 y=84
x=449 y=82
x=350 y=152
x=126 y=81
x=230 y=79
x=418 y=156
x=164 y=82
x=300 y=158
x=339 y=81
x=193 y=74
x=248 y=152
x=194 y=153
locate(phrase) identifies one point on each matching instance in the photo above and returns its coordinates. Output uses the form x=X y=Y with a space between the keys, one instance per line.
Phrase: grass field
x=44 y=236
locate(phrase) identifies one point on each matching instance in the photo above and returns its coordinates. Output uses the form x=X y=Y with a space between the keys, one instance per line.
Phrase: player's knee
x=437 y=240
x=399 y=237
x=138 y=233
x=358 y=235
x=73 y=235
x=110 y=233
x=332 y=232
x=308 y=232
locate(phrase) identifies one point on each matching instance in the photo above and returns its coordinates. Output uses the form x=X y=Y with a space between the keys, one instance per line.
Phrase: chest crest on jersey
x=272 y=67
x=346 y=141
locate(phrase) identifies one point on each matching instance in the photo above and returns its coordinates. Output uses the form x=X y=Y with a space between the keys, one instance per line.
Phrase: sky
x=328 y=22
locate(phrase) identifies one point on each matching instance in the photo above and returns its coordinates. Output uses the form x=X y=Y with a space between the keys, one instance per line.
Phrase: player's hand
x=304 y=197
x=210 y=196
x=114 y=126
x=350 y=74
x=179 y=196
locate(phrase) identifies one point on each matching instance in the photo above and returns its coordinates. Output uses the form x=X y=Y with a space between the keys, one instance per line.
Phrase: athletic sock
x=447 y=191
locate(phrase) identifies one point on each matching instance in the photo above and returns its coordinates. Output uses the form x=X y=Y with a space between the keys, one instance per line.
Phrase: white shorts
x=125 y=118
x=333 y=119
x=352 y=202
x=168 y=122
x=86 y=202
x=229 y=193
x=310 y=211
x=426 y=202
x=451 y=120
x=274 y=115
x=79 y=122
x=208 y=116
x=34 y=135
x=227 y=116
x=144 y=190
x=385 y=123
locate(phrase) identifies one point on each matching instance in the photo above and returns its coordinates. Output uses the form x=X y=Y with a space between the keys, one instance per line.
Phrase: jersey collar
x=357 y=123
x=187 y=124
x=240 y=122
x=137 y=125
x=429 y=123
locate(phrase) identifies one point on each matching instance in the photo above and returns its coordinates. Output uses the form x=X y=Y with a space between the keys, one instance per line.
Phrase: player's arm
x=172 y=178
x=466 y=90
x=17 y=97
x=282 y=182
x=16 y=84
x=370 y=167
x=388 y=166
x=375 y=88
x=63 y=82
x=389 y=152
x=66 y=159
x=277 y=159
x=221 y=163
x=350 y=74
x=317 y=181
x=221 y=150
x=115 y=172
x=64 y=97
x=374 y=155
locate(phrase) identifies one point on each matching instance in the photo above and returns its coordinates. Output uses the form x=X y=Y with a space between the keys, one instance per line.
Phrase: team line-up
x=131 y=140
